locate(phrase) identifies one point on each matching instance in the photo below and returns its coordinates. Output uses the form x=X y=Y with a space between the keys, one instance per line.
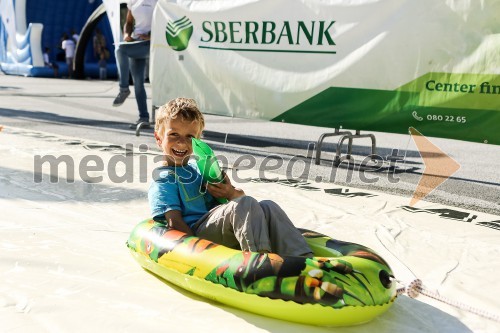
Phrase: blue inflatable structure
x=27 y=27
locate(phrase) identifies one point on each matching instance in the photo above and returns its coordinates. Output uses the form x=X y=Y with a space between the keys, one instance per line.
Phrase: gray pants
x=250 y=225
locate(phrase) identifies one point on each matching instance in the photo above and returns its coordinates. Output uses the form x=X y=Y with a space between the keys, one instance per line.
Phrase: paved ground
x=82 y=109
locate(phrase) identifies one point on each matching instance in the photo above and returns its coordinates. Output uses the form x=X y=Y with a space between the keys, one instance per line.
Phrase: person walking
x=98 y=43
x=132 y=54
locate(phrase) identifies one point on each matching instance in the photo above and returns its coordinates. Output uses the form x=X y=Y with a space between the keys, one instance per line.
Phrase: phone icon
x=416 y=116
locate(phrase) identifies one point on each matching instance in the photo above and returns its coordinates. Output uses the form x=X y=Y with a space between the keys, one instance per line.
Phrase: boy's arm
x=175 y=221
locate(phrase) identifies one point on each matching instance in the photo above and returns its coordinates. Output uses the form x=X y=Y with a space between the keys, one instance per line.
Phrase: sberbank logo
x=288 y=36
x=178 y=33
x=269 y=36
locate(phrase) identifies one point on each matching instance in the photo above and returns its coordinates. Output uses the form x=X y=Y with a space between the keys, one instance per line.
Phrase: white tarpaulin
x=64 y=265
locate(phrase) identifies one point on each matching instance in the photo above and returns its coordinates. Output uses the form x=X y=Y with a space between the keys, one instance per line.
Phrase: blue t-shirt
x=179 y=188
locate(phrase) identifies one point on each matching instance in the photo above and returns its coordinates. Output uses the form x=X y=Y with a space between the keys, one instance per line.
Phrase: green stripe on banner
x=396 y=111
x=457 y=90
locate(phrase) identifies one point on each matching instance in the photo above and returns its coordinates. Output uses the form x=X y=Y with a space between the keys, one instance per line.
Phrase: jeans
x=131 y=58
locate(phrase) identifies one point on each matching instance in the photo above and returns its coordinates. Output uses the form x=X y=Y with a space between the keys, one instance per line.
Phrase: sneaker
x=144 y=121
x=122 y=96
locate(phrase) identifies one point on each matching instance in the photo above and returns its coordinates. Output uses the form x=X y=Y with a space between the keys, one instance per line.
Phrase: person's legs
x=123 y=67
x=125 y=53
x=238 y=224
x=285 y=238
x=69 y=62
x=137 y=67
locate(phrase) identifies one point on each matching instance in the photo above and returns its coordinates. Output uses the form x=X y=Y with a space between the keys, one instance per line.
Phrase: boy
x=47 y=63
x=177 y=194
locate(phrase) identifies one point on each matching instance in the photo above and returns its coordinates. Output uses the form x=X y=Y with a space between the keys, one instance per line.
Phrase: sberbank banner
x=382 y=65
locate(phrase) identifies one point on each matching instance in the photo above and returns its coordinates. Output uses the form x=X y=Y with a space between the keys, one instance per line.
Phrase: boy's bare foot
x=276 y=262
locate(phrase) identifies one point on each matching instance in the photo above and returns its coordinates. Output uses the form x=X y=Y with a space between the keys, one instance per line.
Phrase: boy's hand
x=224 y=189
x=175 y=221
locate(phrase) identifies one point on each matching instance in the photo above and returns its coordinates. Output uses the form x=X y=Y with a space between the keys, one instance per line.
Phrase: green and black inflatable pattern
x=344 y=284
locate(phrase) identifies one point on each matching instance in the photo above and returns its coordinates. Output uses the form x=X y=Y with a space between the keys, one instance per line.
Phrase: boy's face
x=175 y=140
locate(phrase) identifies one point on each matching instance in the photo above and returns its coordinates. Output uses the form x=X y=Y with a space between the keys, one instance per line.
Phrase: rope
x=415 y=288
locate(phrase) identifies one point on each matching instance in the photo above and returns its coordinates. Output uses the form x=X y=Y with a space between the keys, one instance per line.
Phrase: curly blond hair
x=186 y=108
